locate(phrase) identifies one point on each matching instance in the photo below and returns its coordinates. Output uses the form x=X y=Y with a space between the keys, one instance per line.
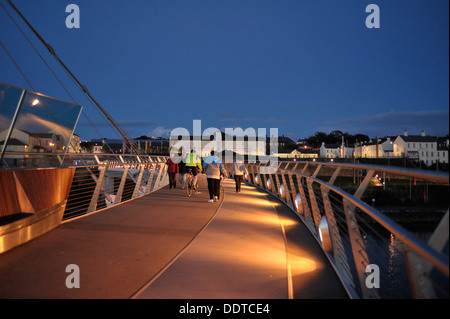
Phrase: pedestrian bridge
x=290 y=233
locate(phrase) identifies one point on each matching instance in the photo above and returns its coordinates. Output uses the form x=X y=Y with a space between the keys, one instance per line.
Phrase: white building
x=219 y=141
x=336 y=150
x=330 y=150
x=297 y=154
x=33 y=142
x=74 y=145
x=18 y=142
x=420 y=147
x=378 y=148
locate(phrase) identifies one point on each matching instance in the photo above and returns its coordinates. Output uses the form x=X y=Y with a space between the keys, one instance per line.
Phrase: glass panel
x=42 y=131
x=9 y=98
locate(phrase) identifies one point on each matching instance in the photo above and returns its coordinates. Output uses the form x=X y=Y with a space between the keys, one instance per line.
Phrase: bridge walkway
x=167 y=246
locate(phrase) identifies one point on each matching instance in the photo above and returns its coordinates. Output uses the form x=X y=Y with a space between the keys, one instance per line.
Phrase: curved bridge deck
x=168 y=246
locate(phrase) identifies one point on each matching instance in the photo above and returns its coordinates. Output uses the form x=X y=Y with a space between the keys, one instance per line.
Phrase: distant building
x=442 y=149
x=114 y=146
x=23 y=141
x=336 y=150
x=377 y=148
x=14 y=145
x=74 y=145
x=284 y=141
x=302 y=143
x=330 y=150
x=422 y=148
x=298 y=154
x=242 y=145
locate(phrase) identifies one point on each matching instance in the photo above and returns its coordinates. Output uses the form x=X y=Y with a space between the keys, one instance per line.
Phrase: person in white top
x=238 y=170
x=214 y=169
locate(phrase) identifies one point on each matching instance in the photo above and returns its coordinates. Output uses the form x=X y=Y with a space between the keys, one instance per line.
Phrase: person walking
x=238 y=169
x=213 y=168
x=172 y=170
x=182 y=171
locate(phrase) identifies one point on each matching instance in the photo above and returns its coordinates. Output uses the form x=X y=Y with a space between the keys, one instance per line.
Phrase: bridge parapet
x=104 y=180
x=374 y=256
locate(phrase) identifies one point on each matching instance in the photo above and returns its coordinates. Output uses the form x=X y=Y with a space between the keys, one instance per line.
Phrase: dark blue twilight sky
x=300 y=66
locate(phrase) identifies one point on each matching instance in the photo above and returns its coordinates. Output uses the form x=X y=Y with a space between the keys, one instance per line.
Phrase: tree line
x=335 y=137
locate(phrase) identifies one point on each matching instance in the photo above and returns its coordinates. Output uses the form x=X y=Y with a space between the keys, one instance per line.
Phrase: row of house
x=424 y=148
x=118 y=146
x=239 y=144
x=32 y=142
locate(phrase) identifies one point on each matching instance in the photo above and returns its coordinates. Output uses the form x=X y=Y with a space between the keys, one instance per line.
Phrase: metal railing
x=105 y=180
x=374 y=256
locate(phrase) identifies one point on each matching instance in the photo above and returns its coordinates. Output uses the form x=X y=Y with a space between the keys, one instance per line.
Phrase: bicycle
x=191 y=189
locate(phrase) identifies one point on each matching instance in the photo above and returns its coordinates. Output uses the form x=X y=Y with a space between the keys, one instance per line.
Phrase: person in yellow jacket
x=193 y=162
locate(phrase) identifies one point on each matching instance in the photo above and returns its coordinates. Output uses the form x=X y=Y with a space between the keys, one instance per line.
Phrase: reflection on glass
x=9 y=98
x=43 y=127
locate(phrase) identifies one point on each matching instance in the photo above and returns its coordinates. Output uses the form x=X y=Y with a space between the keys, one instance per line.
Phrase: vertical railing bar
x=316 y=172
x=287 y=193
x=148 y=188
x=306 y=210
x=303 y=171
x=98 y=187
x=277 y=189
x=164 y=177
x=158 y=177
x=339 y=256
x=293 y=189
x=139 y=181
x=362 y=188
x=263 y=179
x=250 y=176
x=118 y=198
x=314 y=205
x=335 y=175
x=359 y=253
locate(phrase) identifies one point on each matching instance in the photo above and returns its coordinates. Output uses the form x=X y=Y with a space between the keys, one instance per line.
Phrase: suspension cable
x=16 y=65
x=56 y=77
x=83 y=88
x=49 y=68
